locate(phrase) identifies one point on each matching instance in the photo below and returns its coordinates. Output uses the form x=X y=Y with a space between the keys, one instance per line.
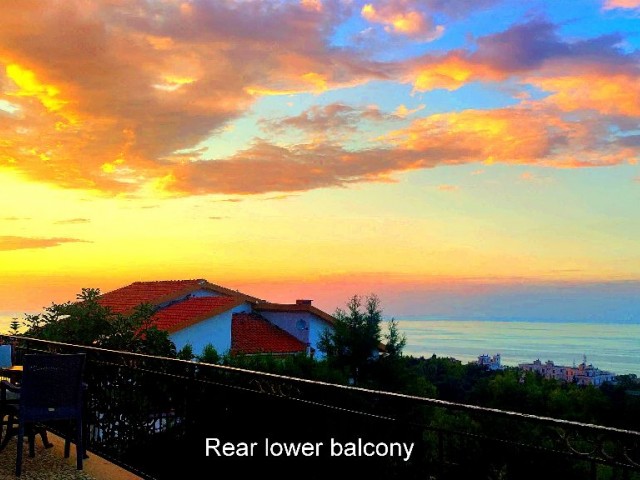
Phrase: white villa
x=198 y=312
x=583 y=374
x=490 y=362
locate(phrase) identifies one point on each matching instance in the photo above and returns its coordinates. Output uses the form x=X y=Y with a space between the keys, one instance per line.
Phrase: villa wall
x=316 y=329
x=215 y=330
x=292 y=323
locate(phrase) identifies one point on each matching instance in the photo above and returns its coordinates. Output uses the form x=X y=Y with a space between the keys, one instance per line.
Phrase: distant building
x=583 y=374
x=490 y=363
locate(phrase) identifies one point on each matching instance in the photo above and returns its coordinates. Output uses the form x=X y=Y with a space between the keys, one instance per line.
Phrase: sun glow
x=29 y=86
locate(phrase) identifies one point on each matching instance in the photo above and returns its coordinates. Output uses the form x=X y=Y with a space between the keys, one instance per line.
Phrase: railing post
x=441 y=449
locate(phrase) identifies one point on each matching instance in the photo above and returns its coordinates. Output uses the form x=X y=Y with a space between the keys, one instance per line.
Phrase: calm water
x=613 y=347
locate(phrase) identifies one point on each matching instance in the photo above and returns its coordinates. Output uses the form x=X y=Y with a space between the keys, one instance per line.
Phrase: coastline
x=609 y=346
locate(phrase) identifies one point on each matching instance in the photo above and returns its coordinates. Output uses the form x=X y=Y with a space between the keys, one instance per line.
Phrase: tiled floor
x=50 y=464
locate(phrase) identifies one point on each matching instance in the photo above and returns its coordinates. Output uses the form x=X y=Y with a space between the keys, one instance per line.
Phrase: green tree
x=356 y=338
x=395 y=341
x=209 y=354
x=87 y=322
x=14 y=327
x=186 y=352
x=356 y=334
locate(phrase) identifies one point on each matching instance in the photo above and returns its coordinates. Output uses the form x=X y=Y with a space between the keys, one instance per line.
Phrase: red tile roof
x=227 y=291
x=124 y=299
x=296 y=307
x=193 y=310
x=251 y=334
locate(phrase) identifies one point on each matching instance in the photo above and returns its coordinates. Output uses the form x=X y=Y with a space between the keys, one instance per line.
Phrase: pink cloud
x=334 y=119
x=628 y=4
x=416 y=19
x=402 y=18
x=20 y=243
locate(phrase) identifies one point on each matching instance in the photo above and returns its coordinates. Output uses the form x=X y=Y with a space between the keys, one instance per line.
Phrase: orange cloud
x=265 y=167
x=103 y=96
x=402 y=111
x=452 y=72
x=315 y=5
x=403 y=19
x=20 y=243
x=513 y=135
x=607 y=93
x=533 y=134
x=536 y=135
x=107 y=95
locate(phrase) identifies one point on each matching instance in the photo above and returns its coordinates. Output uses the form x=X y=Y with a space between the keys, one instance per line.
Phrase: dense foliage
x=512 y=389
x=86 y=322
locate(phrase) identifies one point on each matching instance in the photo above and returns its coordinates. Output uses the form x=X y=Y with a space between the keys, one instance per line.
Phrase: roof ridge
x=296 y=307
x=167 y=281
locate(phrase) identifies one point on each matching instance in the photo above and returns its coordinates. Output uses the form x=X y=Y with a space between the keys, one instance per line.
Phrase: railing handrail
x=425 y=400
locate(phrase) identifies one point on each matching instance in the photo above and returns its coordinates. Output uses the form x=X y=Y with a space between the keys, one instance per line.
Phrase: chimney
x=303 y=302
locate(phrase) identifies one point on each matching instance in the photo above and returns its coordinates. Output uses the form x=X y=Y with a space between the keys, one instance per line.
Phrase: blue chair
x=50 y=390
x=8 y=399
x=6 y=356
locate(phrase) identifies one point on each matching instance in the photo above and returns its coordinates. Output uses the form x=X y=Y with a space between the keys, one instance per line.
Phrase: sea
x=614 y=347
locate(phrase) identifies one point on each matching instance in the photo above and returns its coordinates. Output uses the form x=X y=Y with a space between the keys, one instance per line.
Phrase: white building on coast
x=583 y=374
x=490 y=363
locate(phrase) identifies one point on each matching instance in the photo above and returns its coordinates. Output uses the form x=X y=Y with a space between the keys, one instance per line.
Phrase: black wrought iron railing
x=166 y=418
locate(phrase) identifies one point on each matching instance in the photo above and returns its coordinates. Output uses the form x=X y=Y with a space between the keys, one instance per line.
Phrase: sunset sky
x=460 y=158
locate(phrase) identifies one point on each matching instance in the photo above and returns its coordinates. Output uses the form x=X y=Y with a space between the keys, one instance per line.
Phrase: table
x=13 y=373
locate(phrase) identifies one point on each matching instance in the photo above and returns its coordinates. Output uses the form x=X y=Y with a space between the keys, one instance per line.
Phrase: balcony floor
x=50 y=464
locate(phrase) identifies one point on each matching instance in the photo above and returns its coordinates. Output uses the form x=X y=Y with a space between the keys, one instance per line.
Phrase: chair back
x=6 y=356
x=51 y=387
